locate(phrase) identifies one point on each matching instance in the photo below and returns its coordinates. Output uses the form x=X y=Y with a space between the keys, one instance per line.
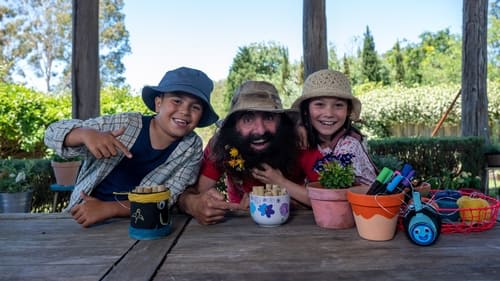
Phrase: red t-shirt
x=235 y=188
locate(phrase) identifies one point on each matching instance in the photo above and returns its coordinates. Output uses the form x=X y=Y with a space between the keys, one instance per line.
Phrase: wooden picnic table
x=55 y=247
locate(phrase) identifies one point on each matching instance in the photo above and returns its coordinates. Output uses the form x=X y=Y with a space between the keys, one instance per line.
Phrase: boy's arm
x=93 y=210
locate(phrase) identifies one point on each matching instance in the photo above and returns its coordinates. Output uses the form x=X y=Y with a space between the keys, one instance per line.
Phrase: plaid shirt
x=179 y=170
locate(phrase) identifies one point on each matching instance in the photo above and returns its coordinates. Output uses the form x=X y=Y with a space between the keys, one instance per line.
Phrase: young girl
x=327 y=109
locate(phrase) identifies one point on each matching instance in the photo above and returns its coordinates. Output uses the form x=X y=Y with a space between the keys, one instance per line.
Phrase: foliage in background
x=454 y=180
x=39 y=176
x=36 y=36
x=259 y=61
x=434 y=157
x=113 y=42
x=116 y=100
x=384 y=107
x=370 y=63
x=24 y=115
x=15 y=178
x=494 y=41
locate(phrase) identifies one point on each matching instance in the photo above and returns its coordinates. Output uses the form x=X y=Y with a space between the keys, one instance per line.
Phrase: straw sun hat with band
x=255 y=96
x=329 y=83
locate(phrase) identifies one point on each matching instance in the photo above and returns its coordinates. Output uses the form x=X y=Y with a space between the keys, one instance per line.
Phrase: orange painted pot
x=376 y=216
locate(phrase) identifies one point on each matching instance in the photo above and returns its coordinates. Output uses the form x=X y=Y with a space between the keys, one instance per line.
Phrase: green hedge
x=434 y=158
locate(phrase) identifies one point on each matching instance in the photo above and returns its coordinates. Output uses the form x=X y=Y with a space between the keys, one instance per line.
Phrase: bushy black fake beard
x=277 y=154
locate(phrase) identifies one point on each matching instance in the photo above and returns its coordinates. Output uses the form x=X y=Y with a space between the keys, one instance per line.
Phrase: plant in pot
x=15 y=188
x=329 y=195
x=376 y=214
x=65 y=169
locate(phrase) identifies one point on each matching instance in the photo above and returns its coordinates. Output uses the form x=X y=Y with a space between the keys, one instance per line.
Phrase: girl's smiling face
x=328 y=115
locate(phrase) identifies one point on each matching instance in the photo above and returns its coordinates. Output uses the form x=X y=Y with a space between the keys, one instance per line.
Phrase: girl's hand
x=267 y=174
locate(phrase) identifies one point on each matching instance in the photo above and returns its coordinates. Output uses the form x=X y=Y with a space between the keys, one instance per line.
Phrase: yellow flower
x=232 y=163
x=233 y=152
x=240 y=162
x=235 y=160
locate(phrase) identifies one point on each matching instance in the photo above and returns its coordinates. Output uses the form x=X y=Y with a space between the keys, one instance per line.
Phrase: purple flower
x=284 y=209
x=344 y=160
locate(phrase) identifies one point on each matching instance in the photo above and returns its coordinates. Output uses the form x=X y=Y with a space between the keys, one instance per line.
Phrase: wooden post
x=85 y=59
x=474 y=69
x=314 y=36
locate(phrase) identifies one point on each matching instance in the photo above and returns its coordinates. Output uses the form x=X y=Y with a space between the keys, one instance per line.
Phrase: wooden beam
x=85 y=59
x=474 y=69
x=314 y=36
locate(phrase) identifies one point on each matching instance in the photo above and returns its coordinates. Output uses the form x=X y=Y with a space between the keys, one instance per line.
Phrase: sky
x=206 y=34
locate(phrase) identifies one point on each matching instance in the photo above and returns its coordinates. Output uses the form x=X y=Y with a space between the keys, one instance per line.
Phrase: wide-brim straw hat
x=187 y=80
x=329 y=83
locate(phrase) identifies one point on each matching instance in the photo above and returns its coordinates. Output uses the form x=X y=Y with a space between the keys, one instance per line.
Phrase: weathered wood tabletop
x=54 y=247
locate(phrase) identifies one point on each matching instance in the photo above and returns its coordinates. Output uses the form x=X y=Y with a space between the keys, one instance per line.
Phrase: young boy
x=125 y=150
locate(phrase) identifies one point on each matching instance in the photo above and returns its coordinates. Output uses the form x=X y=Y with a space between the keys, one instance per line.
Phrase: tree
x=114 y=42
x=494 y=41
x=346 y=67
x=441 y=57
x=412 y=57
x=370 y=62
x=38 y=35
x=259 y=61
x=333 y=61
x=397 y=63
x=43 y=28
x=10 y=49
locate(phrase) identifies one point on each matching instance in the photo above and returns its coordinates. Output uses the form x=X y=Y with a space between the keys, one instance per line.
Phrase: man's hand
x=207 y=207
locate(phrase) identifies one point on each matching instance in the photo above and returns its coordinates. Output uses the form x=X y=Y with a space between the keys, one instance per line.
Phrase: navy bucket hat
x=187 y=80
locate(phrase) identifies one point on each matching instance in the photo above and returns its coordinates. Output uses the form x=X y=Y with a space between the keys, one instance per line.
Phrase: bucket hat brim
x=186 y=80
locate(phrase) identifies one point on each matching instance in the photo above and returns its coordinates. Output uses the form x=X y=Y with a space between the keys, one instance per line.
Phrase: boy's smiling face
x=178 y=114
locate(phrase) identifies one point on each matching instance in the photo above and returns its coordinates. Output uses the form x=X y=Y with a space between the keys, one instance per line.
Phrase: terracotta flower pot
x=376 y=216
x=330 y=207
x=66 y=172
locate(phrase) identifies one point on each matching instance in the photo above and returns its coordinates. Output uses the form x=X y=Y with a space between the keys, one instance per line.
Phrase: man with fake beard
x=257 y=136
